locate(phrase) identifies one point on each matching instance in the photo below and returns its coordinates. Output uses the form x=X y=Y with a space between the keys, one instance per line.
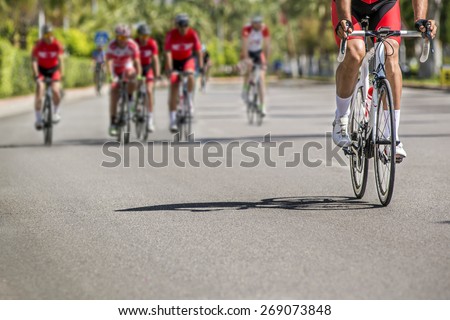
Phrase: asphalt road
x=72 y=229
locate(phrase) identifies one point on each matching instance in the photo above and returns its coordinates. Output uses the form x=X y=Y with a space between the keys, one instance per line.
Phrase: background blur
x=302 y=35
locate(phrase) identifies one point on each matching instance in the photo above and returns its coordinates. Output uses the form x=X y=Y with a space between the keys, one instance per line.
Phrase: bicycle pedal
x=347 y=151
x=399 y=160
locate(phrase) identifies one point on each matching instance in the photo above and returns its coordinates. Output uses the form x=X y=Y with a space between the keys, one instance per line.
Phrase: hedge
x=16 y=75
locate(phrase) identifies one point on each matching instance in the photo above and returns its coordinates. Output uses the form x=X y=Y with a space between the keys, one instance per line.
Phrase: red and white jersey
x=182 y=47
x=47 y=54
x=148 y=51
x=255 y=38
x=123 y=57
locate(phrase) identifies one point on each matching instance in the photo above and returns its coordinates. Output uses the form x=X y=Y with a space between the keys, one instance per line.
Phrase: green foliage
x=77 y=72
x=75 y=42
x=16 y=76
x=7 y=56
x=78 y=43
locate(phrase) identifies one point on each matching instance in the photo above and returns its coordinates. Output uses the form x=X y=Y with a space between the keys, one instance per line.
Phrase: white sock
x=342 y=107
x=150 y=118
x=191 y=100
x=56 y=108
x=173 y=116
x=397 y=123
x=38 y=116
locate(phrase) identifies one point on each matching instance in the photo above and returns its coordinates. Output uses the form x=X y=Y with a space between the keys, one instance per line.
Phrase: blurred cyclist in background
x=123 y=60
x=98 y=61
x=206 y=66
x=150 y=66
x=181 y=45
x=47 y=62
x=255 y=50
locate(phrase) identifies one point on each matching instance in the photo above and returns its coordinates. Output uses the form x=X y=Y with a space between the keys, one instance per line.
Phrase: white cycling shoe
x=400 y=152
x=56 y=117
x=340 y=134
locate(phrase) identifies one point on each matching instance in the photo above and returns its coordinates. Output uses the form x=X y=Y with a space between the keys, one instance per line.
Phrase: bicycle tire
x=145 y=116
x=385 y=144
x=138 y=115
x=124 y=123
x=250 y=106
x=48 y=121
x=359 y=163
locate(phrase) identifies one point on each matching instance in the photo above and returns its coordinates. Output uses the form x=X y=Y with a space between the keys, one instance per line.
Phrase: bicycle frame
x=378 y=53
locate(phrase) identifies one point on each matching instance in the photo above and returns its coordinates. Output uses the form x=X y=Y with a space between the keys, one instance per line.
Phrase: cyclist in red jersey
x=123 y=60
x=150 y=66
x=255 y=50
x=346 y=16
x=181 y=45
x=47 y=62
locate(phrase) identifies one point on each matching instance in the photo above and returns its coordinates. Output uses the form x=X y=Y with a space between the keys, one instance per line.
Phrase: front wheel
x=48 y=122
x=359 y=163
x=385 y=144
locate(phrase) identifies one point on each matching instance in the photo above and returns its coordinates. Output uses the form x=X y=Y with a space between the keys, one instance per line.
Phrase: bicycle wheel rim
x=359 y=164
x=385 y=145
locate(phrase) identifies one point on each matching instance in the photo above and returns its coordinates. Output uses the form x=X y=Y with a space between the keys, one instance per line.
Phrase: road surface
x=71 y=228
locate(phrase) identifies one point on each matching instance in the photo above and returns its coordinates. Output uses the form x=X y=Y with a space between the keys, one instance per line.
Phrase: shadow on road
x=292 y=203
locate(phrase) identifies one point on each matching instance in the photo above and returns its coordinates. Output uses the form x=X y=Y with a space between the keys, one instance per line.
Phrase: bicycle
x=100 y=76
x=47 y=112
x=184 y=116
x=141 y=116
x=124 y=115
x=372 y=132
x=253 y=99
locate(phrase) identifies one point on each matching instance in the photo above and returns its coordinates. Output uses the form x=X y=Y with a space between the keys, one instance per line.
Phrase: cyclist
x=206 y=63
x=346 y=17
x=123 y=60
x=98 y=60
x=182 y=43
x=150 y=66
x=255 y=50
x=47 y=62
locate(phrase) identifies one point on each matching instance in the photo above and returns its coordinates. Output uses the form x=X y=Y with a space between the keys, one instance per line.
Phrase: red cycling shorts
x=383 y=13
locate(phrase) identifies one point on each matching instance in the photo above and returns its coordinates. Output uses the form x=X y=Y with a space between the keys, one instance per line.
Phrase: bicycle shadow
x=306 y=203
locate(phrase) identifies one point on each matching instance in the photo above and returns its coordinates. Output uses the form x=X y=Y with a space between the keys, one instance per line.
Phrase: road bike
x=372 y=122
x=47 y=112
x=184 y=111
x=100 y=77
x=141 y=115
x=124 y=112
x=253 y=99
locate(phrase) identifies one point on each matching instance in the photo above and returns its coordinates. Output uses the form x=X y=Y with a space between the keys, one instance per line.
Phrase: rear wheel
x=385 y=144
x=359 y=163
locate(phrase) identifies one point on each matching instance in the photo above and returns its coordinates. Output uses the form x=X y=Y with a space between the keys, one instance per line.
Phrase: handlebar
x=427 y=45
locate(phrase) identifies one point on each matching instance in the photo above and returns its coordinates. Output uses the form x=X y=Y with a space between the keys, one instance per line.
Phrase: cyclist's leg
x=262 y=85
x=114 y=99
x=389 y=15
x=248 y=65
x=189 y=67
x=346 y=77
x=131 y=75
x=40 y=87
x=347 y=71
x=56 y=93
x=150 y=80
